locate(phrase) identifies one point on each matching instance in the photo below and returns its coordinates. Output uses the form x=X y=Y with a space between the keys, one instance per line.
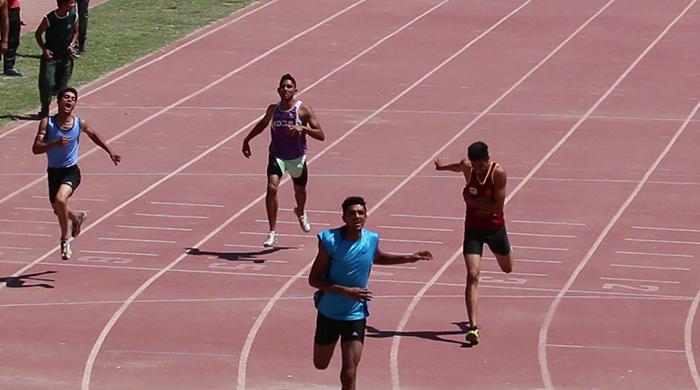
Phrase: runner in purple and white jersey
x=290 y=121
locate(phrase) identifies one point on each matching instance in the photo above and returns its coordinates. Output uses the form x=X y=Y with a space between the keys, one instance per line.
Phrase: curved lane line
x=688 y=340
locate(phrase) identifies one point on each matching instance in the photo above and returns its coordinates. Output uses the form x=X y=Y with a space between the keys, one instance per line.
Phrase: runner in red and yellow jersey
x=485 y=196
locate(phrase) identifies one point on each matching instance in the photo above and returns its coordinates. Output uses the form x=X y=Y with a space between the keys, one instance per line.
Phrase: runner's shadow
x=21 y=280
x=423 y=334
x=237 y=256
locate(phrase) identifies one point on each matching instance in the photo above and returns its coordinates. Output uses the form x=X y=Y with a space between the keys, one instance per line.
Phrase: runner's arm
x=97 y=139
x=461 y=166
x=390 y=258
x=257 y=129
x=40 y=145
x=313 y=126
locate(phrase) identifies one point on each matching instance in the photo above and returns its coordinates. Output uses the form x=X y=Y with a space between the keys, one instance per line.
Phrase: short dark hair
x=351 y=201
x=478 y=151
x=67 y=89
x=289 y=77
x=61 y=2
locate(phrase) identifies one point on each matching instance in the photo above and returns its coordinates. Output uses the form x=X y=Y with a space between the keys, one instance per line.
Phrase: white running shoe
x=66 y=252
x=271 y=239
x=303 y=220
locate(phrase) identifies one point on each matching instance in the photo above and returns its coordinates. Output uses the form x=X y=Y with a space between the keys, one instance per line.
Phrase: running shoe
x=271 y=239
x=76 y=226
x=66 y=252
x=473 y=335
x=303 y=220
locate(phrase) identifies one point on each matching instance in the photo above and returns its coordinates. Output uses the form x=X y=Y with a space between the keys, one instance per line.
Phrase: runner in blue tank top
x=340 y=273
x=59 y=138
x=290 y=122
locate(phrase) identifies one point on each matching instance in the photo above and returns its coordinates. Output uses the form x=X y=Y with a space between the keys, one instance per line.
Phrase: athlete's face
x=286 y=90
x=66 y=102
x=355 y=217
x=480 y=166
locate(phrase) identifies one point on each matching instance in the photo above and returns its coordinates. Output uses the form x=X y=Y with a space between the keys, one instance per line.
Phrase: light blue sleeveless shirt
x=67 y=155
x=350 y=265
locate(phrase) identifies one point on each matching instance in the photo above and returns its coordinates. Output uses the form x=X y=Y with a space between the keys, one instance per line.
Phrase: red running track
x=590 y=106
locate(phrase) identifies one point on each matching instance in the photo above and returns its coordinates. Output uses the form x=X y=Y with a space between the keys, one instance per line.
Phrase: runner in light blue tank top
x=66 y=155
x=340 y=273
x=351 y=263
x=59 y=137
x=290 y=122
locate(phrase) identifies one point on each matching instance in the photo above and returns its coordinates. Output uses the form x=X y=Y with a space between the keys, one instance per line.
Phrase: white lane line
x=650 y=267
x=393 y=266
x=281 y=234
x=187 y=204
x=154 y=228
x=313 y=211
x=119 y=253
x=180 y=46
x=34 y=209
x=136 y=240
x=427 y=229
x=688 y=340
x=517 y=259
x=426 y=216
x=548 y=222
x=260 y=247
x=382 y=239
x=654 y=254
x=663 y=241
x=544 y=328
x=542 y=235
x=539 y=248
x=147 y=119
x=26 y=234
x=28 y=221
x=241 y=377
x=640 y=280
x=668 y=229
x=515 y=273
x=14 y=248
x=171 y=216
x=251 y=260
x=171 y=353
x=72 y=198
x=611 y=348
x=292 y=222
x=88 y=368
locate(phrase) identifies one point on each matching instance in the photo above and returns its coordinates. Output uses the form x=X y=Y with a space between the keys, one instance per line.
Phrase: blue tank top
x=285 y=144
x=350 y=265
x=67 y=155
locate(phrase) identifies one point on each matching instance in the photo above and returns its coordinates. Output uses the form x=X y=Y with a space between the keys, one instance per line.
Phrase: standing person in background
x=290 y=122
x=83 y=12
x=4 y=26
x=484 y=223
x=56 y=68
x=15 y=27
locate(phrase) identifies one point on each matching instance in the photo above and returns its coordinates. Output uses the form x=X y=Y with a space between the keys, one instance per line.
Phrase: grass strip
x=119 y=32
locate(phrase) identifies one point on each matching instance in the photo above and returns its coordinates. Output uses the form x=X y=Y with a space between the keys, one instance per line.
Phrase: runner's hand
x=422 y=255
x=439 y=163
x=48 y=54
x=246 y=150
x=116 y=158
x=359 y=294
x=299 y=129
x=62 y=141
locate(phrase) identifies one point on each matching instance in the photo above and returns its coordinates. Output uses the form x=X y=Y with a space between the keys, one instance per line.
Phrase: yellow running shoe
x=473 y=336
